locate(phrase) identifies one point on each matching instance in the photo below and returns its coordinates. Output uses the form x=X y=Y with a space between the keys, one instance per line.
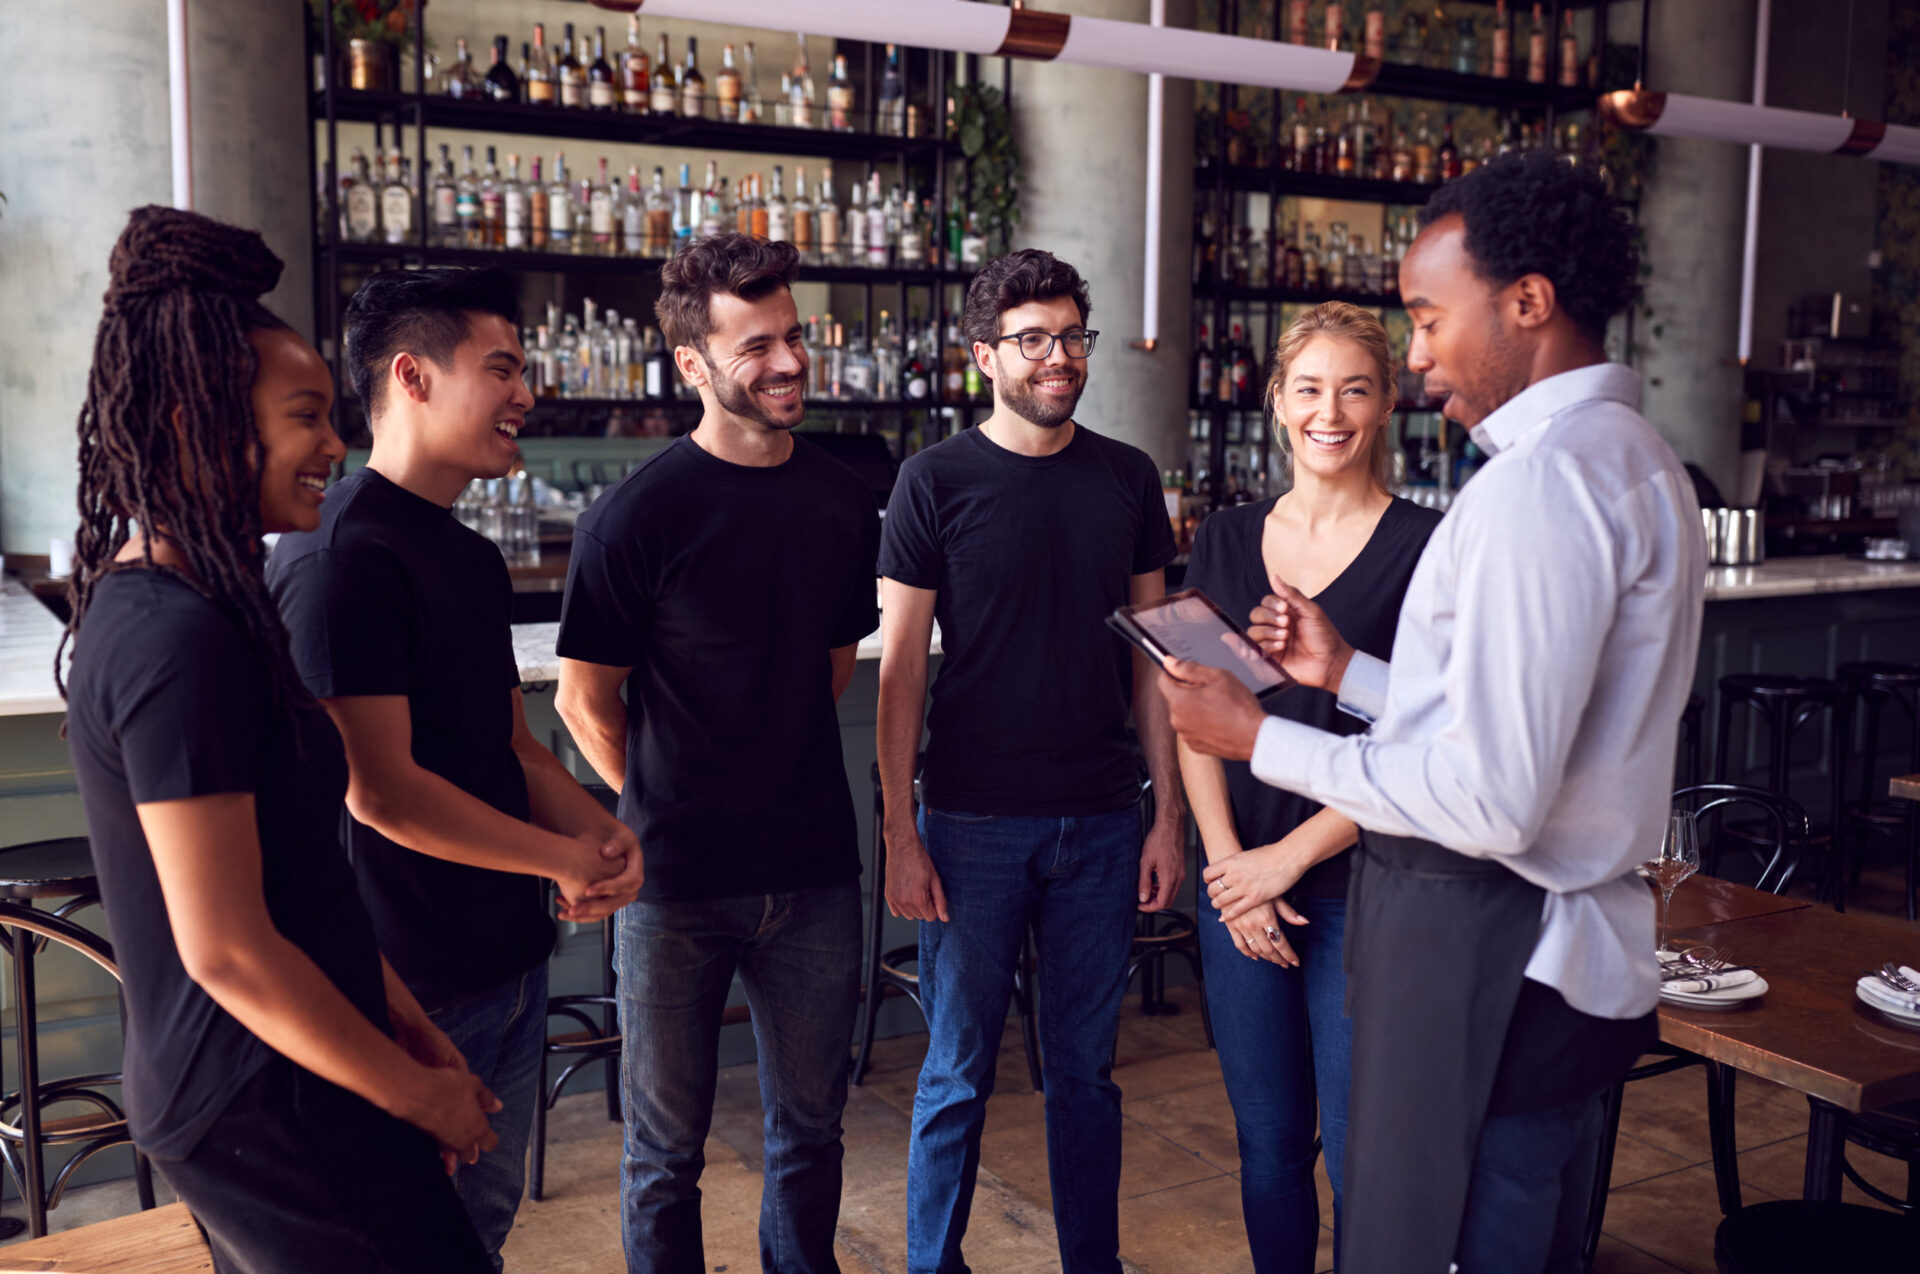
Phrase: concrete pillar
x=1083 y=142
x=87 y=142
x=1692 y=214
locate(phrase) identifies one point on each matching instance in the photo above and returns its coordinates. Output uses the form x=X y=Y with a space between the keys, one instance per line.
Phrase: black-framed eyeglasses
x=1038 y=346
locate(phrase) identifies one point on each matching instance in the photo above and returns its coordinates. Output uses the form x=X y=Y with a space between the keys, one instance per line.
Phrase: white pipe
x=1156 y=155
x=180 y=107
x=1750 y=247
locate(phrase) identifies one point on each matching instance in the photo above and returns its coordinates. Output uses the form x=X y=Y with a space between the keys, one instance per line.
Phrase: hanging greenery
x=984 y=131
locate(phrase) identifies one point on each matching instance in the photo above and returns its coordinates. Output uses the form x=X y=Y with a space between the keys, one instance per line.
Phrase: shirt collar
x=1543 y=400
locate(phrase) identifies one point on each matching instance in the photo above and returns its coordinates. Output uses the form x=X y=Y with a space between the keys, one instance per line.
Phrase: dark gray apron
x=1437 y=947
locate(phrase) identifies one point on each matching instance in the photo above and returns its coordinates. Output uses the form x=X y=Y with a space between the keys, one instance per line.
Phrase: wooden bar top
x=163 y=1241
x=1809 y=1031
x=1708 y=900
x=1906 y=786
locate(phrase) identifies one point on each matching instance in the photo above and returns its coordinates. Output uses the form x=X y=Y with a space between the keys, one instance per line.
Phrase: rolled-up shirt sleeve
x=1534 y=594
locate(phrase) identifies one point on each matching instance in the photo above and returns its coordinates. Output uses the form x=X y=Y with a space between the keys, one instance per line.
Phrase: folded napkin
x=1711 y=982
x=1880 y=993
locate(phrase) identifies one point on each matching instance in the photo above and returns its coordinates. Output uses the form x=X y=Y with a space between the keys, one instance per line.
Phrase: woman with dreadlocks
x=274 y=1062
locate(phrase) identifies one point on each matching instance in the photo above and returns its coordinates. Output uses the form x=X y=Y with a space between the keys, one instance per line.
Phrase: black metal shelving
x=591 y=263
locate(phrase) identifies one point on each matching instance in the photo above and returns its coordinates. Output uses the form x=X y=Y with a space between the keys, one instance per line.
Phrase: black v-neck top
x=1363 y=602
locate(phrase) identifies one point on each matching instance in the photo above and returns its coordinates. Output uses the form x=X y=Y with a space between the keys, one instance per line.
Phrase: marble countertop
x=533 y=650
x=29 y=634
x=1801 y=576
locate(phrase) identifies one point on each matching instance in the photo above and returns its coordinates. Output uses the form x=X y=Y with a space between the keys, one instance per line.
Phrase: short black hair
x=421 y=312
x=1530 y=212
x=736 y=264
x=1010 y=281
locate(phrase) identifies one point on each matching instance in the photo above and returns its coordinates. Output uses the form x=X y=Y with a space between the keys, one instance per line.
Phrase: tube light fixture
x=1678 y=115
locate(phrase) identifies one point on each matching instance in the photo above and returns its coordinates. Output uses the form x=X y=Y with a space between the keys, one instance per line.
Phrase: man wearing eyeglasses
x=1020 y=537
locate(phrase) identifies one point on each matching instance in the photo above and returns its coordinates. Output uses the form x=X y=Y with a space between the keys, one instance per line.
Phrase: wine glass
x=1679 y=858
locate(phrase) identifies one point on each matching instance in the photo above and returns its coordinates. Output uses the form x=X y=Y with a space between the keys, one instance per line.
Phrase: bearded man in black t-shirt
x=726 y=584
x=1020 y=537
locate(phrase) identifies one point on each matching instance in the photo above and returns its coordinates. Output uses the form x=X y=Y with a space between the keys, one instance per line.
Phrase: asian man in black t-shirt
x=399 y=618
x=726 y=584
x=1021 y=536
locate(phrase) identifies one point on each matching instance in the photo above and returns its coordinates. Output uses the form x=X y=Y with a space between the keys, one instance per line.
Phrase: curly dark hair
x=183 y=293
x=735 y=264
x=421 y=312
x=1010 y=281
x=1529 y=212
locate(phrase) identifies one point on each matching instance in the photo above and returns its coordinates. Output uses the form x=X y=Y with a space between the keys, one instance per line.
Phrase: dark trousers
x=299 y=1176
x=1527 y=1200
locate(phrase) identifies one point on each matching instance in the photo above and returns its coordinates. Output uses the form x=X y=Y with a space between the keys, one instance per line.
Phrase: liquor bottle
x=1334 y=31
x=800 y=215
x=857 y=225
x=708 y=222
x=740 y=216
x=759 y=216
x=915 y=373
x=664 y=96
x=461 y=78
x=826 y=216
x=603 y=214
x=1374 y=34
x=513 y=207
x=446 y=214
x=779 y=216
x=857 y=370
x=726 y=87
x=753 y=109
x=655 y=379
x=501 y=84
x=973 y=244
x=466 y=201
x=974 y=385
x=526 y=62
x=693 y=85
x=893 y=96
x=913 y=234
x=359 y=201
x=537 y=209
x=689 y=202
x=571 y=73
x=878 y=239
x=1466 y=49
x=659 y=235
x=539 y=69
x=603 y=93
x=396 y=201
x=953 y=366
x=493 y=231
x=1202 y=367
x=1449 y=154
x=1300 y=132
x=1569 y=52
x=800 y=87
x=635 y=70
x=1502 y=41
x=1425 y=167
x=840 y=97
x=559 y=207
x=1537 y=49
x=583 y=237
x=1345 y=160
x=1322 y=150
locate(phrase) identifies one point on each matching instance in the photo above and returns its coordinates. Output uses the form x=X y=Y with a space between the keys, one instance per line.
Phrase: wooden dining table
x=1809 y=1032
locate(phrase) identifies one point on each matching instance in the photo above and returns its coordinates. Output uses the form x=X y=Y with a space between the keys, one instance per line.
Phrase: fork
x=1890 y=972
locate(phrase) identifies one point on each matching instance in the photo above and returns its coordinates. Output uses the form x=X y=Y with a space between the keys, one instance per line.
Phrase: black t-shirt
x=1363 y=602
x=167 y=700
x=723 y=587
x=1029 y=556
x=393 y=596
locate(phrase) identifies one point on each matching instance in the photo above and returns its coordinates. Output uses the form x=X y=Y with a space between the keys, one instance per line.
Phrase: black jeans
x=299 y=1176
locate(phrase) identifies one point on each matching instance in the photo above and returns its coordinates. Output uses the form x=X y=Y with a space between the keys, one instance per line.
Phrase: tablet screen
x=1188 y=625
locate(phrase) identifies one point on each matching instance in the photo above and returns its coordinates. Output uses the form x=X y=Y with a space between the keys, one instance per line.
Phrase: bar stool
x=61 y=868
x=1166 y=934
x=1873 y=686
x=1784 y=704
x=885 y=970
x=1791 y=1236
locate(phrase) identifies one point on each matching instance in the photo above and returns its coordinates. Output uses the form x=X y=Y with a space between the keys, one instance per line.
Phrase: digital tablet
x=1188 y=625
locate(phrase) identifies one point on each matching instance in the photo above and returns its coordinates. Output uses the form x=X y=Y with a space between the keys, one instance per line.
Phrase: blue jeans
x=1286 y=1049
x=798 y=956
x=500 y=1033
x=1527 y=1202
x=1074 y=881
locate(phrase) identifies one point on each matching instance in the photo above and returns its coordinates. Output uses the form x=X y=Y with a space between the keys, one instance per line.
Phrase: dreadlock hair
x=183 y=294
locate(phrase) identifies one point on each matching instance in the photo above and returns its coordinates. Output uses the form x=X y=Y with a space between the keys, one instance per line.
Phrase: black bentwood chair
x=1784 y=704
x=1794 y=1236
x=1784 y=826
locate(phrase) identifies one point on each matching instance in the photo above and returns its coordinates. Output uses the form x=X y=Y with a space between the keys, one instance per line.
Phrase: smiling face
x=1043 y=393
x=476 y=403
x=292 y=406
x=1462 y=342
x=755 y=363
x=1333 y=404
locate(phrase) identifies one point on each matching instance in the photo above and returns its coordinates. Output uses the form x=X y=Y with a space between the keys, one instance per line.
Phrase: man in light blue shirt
x=1519 y=766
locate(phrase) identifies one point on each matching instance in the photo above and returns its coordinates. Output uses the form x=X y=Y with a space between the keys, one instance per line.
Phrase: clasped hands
x=1214 y=714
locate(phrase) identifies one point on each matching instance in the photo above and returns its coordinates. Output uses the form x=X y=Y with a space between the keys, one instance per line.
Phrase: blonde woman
x=1276 y=881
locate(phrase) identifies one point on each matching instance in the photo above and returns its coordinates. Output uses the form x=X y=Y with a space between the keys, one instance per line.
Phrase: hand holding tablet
x=1188 y=626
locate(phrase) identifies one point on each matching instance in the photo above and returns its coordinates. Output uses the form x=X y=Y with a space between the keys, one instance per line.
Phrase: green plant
x=385 y=20
x=984 y=131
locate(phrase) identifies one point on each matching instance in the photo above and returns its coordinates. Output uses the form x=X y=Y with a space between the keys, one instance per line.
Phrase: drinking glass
x=1679 y=858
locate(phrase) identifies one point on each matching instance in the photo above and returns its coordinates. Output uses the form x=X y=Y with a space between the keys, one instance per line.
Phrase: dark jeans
x=1527 y=1201
x=798 y=956
x=500 y=1033
x=1073 y=881
x=1286 y=1049
x=300 y=1176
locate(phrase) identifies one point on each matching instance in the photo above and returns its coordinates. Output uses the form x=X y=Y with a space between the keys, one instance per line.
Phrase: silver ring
x=1273 y=934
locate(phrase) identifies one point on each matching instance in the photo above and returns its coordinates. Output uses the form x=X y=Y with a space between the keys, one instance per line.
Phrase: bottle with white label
x=446 y=196
x=826 y=219
x=513 y=206
x=362 y=206
x=492 y=210
x=633 y=214
x=913 y=234
x=777 y=211
x=559 y=207
x=602 y=216
x=396 y=202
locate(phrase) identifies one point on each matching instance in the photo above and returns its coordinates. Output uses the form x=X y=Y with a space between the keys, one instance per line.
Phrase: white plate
x=1722 y=999
x=1904 y=1016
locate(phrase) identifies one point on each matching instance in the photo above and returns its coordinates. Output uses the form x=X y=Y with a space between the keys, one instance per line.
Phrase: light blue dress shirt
x=1545 y=651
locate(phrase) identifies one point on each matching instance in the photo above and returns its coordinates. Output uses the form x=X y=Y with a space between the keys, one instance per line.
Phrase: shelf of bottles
x=1300 y=199
x=895 y=231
